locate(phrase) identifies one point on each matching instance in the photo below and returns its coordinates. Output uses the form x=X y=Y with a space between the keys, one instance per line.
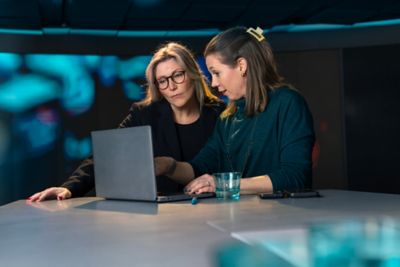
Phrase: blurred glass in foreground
x=371 y=242
x=355 y=243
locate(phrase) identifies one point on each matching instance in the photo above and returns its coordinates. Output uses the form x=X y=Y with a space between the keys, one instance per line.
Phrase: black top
x=191 y=139
x=165 y=142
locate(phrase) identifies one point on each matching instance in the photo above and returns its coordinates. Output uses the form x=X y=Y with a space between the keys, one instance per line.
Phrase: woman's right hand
x=202 y=184
x=60 y=193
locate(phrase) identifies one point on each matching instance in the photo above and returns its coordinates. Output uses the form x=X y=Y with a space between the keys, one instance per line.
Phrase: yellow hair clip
x=257 y=33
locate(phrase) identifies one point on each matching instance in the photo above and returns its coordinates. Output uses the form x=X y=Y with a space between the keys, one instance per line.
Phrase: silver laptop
x=124 y=166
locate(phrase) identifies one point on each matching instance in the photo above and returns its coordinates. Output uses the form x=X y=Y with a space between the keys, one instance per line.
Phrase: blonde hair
x=262 y=73
x=185 y=59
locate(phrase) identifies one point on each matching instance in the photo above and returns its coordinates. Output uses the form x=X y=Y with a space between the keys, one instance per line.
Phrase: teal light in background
x=130 y=71
x=133 y=91
x=22 y=32
x=77 y=149
x=72 y=77
x=134 y=67
x=306 y=27
x=110 y=33
x=78 y=91
x=39 y=130
x=55 y=65
x=56 y=31
x=192 y=33
x=141 y=33
x=195 y=33
x=9 y=63
x=23 y=92
x=92 y=32
x=378 y=23
x=326 y=27
x=107 y=70
x=92 y=61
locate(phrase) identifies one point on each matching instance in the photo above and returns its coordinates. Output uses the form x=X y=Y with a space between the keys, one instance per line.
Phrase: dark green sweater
x=277 y=142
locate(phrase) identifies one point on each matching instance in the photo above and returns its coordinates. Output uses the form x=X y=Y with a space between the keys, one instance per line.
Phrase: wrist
x=171 y=168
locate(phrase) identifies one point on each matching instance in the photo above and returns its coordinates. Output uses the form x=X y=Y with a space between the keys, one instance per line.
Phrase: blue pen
x=194 y=197
x=195 y=201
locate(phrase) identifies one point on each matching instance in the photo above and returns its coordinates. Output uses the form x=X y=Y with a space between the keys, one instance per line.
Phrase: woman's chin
x=234 y=97
x=180 y=103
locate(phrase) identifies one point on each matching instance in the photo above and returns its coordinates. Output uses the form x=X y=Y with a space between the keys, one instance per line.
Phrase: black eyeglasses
x=177 y=77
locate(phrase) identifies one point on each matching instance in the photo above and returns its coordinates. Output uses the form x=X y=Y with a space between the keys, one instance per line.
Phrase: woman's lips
x=222 y=93
x=176 y=96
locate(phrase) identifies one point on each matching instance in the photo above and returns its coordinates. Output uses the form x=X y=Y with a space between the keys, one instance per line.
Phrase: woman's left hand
x=201 y=184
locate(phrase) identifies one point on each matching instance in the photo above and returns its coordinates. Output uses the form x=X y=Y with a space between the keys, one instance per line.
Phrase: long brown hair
x=262 y=73
x=185 y=59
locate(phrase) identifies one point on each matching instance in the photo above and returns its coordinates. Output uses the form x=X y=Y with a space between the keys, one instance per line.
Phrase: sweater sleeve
x=206 y=161
x=82 y=179
x=297 y=138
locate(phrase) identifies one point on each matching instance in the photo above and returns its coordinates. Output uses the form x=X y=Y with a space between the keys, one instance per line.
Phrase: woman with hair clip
x=180 y=109
x=266 y=132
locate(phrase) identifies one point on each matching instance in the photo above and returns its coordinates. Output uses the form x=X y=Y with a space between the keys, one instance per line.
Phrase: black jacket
x=165 y=142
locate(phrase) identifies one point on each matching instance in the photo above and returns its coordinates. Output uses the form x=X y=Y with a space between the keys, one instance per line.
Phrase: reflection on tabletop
x=134 y=207
x=59 y=205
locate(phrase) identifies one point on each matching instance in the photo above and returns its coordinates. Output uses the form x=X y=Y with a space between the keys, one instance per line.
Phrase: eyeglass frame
x=167 y=78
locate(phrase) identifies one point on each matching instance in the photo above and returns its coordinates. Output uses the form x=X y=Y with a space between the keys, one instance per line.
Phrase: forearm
x=183 y=173
x=180 y=172
x=82 y=179
x=257 y=184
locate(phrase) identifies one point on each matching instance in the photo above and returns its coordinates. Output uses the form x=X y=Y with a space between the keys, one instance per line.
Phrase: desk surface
x=95 y=232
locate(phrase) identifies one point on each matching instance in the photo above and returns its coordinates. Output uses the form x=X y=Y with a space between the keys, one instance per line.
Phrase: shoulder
x=284 y=92
x=286 y=95
x=215 y=107
x=211 y=112
x=153 y=106
x=150 y=111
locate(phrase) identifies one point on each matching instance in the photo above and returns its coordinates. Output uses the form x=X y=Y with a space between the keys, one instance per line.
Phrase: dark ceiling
x=124 y=15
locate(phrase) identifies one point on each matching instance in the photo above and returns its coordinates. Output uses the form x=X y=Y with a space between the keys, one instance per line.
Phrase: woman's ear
x=242 y=64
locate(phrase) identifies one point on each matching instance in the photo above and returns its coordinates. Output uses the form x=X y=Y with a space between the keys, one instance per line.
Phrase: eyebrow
x=172 y=73
x=211 y=69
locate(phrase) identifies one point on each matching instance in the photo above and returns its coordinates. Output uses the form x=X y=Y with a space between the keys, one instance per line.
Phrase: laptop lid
x=124 y=166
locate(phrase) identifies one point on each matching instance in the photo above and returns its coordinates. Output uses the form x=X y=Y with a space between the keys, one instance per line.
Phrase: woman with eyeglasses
x=180 y=109
x=266 y=132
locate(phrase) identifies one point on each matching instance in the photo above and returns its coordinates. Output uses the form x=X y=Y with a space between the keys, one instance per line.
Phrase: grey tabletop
x=97 y=232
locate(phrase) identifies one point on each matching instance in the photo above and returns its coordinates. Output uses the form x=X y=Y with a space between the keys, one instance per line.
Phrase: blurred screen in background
x=49 y=104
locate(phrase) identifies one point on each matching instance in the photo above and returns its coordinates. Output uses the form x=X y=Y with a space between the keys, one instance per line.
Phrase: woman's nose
x=214 y=82
x=172 y=85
